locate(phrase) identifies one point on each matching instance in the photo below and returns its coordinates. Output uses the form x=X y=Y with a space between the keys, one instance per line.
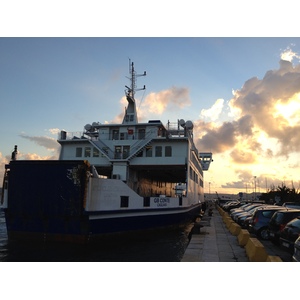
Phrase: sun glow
x=289 y=111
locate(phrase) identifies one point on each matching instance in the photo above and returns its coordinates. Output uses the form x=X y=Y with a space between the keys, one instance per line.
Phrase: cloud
x=218 y=139
x=245 y=178
x=269 y=106
x=119 y=118
x=44 y=141
x=243 y=157
x=288 y=55
x=263 y=131
x=262 y=98
x=248 y=182
x=224 y=137
x=214 y=112
x=35 y=156
x=172 y=98
x=54 y=131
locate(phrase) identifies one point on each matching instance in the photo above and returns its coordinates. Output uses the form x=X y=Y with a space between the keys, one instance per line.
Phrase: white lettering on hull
x=161 y=201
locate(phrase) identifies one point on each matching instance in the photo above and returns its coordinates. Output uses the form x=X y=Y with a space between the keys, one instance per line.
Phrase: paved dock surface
x=214 y=242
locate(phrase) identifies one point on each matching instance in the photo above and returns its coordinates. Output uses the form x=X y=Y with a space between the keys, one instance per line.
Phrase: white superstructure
x=139 y=165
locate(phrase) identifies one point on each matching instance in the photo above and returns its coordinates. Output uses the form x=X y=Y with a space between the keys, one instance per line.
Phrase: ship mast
x=130 y=116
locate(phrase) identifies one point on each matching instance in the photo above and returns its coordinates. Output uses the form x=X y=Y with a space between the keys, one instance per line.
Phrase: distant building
x=240 y=196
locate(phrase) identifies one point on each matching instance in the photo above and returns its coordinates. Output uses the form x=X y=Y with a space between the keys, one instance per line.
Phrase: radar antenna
x=130 y=116
x=133 y=76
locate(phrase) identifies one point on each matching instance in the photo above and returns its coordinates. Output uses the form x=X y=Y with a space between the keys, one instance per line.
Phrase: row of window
x=87 y=152
x=158 y=151
x=194 y=176
x=123 y=151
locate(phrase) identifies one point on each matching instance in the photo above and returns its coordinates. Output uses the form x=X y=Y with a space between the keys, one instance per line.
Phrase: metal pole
x=254 y=187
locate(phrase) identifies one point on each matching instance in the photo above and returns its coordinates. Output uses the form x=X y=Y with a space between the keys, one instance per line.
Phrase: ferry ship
x=109 y=179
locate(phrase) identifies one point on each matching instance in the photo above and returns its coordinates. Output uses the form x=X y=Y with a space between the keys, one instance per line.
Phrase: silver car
x=296 y=255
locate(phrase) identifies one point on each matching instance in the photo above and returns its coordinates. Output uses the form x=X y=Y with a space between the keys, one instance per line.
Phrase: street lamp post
x=254 y=187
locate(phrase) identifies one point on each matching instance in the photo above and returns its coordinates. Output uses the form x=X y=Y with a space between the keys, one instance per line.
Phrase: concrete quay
x=214 y=242
x=217 y=238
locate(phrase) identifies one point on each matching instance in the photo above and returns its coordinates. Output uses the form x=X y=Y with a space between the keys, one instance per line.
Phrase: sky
x=242 y=94
x=234 y=76
x=232 y=69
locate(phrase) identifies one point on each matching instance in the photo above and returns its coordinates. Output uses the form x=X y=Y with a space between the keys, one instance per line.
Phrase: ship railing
x=64 y=135
x=137 y=147
x=105 y=150
x=174 y=129
x=172 y=126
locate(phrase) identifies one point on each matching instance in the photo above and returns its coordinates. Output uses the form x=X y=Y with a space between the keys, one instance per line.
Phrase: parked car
x=296 y=255
x=241 y=208
x=246 y=211
x=292 y=205
x=231 y=205
x=260 y=220
x=222 y=202
x=289 y=234
x=279 y=221
x=246 y=220
x=243 y=219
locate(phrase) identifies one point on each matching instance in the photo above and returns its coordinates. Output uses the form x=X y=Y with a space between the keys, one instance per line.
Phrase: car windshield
x=253 y=210
x=269 y=213
x=252 y=207
x=295 y=223
x=243 y=207
x=278 y=217
x=291 y=204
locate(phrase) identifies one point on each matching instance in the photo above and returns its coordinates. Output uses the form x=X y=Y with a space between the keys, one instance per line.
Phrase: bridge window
x=78 y=152
x=123 y=136
x=87 y=152
x=126 y=150
x=118 y=151
x=158 y=151
x=168 y=151
x=96 y=152
x=149 y=151
x=141 y=134
x=115 y=134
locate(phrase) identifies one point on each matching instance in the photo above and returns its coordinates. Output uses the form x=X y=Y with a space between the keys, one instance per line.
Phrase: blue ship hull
x=46 y=205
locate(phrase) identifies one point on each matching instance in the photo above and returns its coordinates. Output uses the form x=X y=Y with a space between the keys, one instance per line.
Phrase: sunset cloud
x=264 y=130
x=54 y=131
x=243 y=157
x=172 y=98
x=214 y=112
x=156 y=103
x=44 y=141
x=288 y=55
x=270 y=105
x=35 y=156
x=273 y=104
